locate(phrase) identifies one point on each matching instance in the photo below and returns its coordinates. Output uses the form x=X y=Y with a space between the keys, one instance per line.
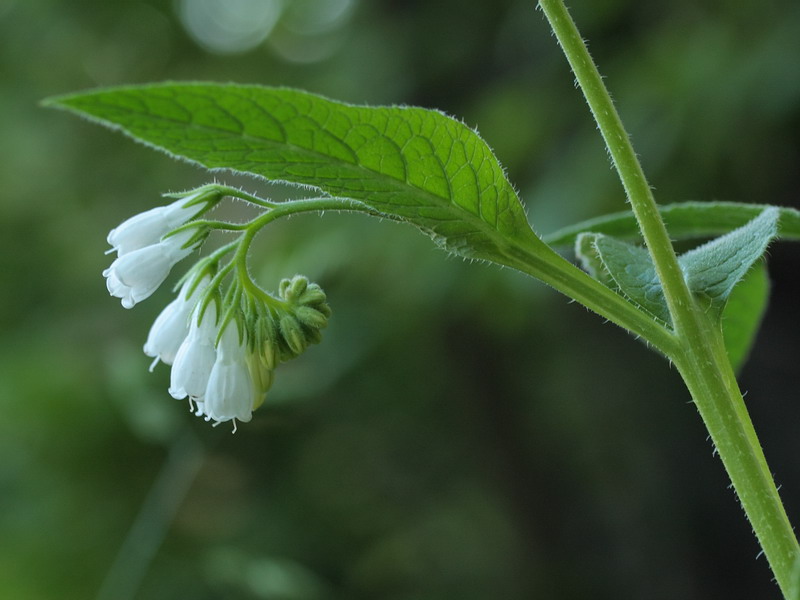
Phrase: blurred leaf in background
x=462 y=433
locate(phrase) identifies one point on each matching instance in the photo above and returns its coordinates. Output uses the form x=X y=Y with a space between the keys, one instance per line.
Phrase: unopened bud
x=292 y=333
x=310 y=317
x=283 y=286
x=262 y=378
x=313 y=336
x=296 y=287
x=267 y=341
x=312 y=296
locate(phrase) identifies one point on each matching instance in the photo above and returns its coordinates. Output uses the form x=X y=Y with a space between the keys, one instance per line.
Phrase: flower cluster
x=225 y=367
x=223 y=349
x=146 y=252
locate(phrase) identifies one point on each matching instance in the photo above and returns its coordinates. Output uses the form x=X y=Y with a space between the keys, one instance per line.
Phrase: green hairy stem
x=701 y=357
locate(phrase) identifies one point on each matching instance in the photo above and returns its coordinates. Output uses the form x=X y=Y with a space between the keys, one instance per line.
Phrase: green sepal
x=292 y=333
x=311 y=317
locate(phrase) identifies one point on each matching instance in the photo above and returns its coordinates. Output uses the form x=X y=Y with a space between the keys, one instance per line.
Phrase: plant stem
x=701 y=359
x=551 y=268
x=622 y=154
x=706 y=370
x=540 y=261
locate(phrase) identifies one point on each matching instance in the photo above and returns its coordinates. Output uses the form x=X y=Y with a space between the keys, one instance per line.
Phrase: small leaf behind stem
x=719 y=272
x=714 y=268
x=686 y=220
x=742 y=315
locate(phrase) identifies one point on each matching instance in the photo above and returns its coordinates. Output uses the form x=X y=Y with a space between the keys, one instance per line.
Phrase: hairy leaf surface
x=687 y=220
x=714 y=268
x=410 y=164
x=721 y=271
x=633 y=274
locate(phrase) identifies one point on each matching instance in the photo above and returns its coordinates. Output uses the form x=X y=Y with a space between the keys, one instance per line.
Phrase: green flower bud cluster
x=283 y=329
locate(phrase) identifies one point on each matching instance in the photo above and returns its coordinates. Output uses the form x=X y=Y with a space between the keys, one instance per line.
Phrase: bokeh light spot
x=232 y=26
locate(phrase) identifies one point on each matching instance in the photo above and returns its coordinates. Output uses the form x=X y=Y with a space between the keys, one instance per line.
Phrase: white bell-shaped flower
x=147 y=228
x=136 y=275
x=195 y=357
x=172 y=326
x=231 y=391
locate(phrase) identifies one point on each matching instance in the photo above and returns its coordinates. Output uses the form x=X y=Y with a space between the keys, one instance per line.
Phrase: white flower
x=147 y=228
x=172 y=326
x=231 y=391
x=136 y=275
x=195 y=357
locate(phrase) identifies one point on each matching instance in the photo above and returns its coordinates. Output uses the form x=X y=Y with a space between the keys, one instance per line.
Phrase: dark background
x=463 y=432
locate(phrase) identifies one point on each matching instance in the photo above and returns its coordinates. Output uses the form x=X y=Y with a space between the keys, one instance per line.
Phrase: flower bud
x=311 y=317
x=296 y=287
x=267 y=340
x=323 y=308
x=313 y=336
x=312 y=295
x=292 y=333
x=262 y=377
x=283 y=286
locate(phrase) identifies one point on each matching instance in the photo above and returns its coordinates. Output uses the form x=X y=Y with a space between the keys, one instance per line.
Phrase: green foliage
x=630 y=271
x=743 y=313
x=716 y=271
x=367 y=467
x=686 y=220
x=794 y=592
x=714 y=268
x=409 y=164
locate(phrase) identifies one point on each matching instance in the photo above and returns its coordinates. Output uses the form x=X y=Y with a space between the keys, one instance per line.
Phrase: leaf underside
x=686 y=220
x=406 y=163
x=714 y=268
x=720 y=272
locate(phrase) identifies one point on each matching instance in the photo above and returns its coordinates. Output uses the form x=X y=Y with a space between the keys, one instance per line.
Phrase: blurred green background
x=463 y=432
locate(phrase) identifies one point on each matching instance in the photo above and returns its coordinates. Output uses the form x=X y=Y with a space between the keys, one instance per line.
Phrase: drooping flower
x=147 y=228
x=231 y=391
x=135 y=275
x=172 y=326
x=195 y=357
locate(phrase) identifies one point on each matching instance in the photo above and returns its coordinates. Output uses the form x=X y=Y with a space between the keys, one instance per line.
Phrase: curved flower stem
x=701 y=357
x=278 y=210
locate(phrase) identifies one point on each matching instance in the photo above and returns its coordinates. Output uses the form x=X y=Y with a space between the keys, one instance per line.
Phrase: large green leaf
x=687 y=220
x=410 y=164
